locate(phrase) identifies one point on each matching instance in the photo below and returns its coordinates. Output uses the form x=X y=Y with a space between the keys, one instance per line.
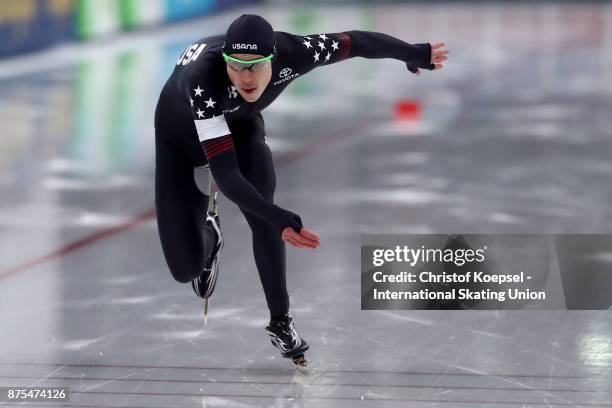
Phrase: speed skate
x=285 y=338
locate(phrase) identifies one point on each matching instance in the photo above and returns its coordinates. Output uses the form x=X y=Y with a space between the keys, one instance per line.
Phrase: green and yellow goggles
x=239 y=65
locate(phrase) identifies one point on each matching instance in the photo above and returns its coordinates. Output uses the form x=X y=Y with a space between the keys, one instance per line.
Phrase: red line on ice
x=316 y=147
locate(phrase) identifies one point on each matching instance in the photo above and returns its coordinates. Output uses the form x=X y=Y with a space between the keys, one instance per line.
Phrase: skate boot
x=204 y=285
x=285 y=338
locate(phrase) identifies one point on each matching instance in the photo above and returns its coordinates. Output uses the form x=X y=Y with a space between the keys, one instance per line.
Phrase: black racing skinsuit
x=202 y=120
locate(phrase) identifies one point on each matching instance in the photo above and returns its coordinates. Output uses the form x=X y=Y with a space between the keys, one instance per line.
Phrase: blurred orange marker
x=407 y=110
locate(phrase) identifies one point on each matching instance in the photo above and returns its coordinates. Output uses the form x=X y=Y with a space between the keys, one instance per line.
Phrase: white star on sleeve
x=198 y=91
x=200 y=113
x=321 y=45
x=335 y=45
x=210 y=103
x=327 y=56
x=307 y=44
x=323 y=37
x=191 y=101
x=316 y=56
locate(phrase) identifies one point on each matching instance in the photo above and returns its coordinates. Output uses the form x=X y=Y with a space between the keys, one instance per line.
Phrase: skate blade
x=205 y=312
x=215 y=209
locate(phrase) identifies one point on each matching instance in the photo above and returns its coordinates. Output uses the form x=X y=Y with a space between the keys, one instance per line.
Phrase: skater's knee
x=185 y=272
x=181 y=278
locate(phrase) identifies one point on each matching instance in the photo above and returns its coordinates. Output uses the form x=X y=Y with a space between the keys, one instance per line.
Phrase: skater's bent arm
x=224 y=168
x=216 y=141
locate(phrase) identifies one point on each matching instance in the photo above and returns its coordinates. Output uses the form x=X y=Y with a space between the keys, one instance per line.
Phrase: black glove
x=413 y=66
x=284 y=218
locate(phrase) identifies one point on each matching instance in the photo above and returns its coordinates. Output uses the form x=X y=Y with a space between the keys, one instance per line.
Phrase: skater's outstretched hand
x=438 y=55
x=303 y=239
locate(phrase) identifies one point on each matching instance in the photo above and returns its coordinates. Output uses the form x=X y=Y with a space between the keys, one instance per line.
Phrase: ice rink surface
x=514 y=137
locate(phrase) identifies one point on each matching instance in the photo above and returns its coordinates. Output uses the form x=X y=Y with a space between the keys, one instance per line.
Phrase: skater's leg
x=255 y=163
x=269 y=252
x=181 y=211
